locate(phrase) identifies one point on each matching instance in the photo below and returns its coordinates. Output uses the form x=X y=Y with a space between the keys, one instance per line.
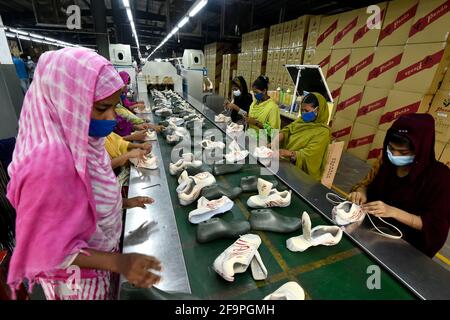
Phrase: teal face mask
x=399 y=161
x=101 y=128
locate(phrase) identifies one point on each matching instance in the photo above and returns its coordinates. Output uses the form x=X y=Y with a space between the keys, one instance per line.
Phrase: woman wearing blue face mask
x=409 y=186
x=305 y=141
x=242 y=99
x=264 y=112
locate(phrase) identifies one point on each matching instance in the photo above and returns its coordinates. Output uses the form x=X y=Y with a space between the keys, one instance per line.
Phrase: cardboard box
x=400 y=103
x=431 y=23
x=361 y=140
x=286 y=42
x=385 y=66
x=445 y=157
x=327 y=32
x=445 y=84
x=318 y=57
x=299 y=31
x=367 y=33
x=346 y=28
x=313 y=32
x=397 y=22
x=360 y=65
x=376 y=148
x=349 y=101
x=372 y=105
x=439 y=148
x=422 y=67
x=335 y=90
x=341 y=129
x=440 y=110
x=339 y=61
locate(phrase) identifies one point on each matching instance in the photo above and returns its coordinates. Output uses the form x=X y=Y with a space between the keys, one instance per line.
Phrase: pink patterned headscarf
x=52 y=172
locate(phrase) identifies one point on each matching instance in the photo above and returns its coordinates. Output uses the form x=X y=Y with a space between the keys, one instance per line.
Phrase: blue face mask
x=309 y=116
x=259 y=96
x=101 y=128
x=399 y=161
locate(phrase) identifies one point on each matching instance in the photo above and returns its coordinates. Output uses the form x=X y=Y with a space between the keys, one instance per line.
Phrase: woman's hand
x=144 y=126
x=136 y=269
x=147 y=147
x=359 y=197
x=138 y=136
x=136 y=153
x=379 y=209
x=137 y=202
x=252 y=121
x=156 y=128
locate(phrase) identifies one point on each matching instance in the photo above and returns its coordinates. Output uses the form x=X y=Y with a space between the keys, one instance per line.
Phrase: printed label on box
x=360 y=66
x=394 y=25
x=425 y=21
x=360 y=142
x=394 y=115
x=391 y=63
x=426 y=63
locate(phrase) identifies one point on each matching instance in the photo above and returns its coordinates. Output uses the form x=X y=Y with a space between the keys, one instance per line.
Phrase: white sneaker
x=346 y=213
x=187 y=161
x=237 y=257
x=222 y=118
x=275 y=198
x=236 y=154
x=172 y=138
x=190 y=186
x=149 y=162
x=263 y=153
x=206 y=209
x=319 y=235
x=234 y=129
x=264 y=187
x=175 y=121
x=163 y=112
x=288 y=291
x=208 y=144
x=151 y=136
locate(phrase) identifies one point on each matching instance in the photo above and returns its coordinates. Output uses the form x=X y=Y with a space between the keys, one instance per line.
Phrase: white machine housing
x=120 y=54
x=193 y=71
x=159 y=69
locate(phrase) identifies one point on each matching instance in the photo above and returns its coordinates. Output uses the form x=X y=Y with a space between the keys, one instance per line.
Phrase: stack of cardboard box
x=252 y=61
x=228 y=70
x=213 y=58
x=382 y=65
x=286 y=46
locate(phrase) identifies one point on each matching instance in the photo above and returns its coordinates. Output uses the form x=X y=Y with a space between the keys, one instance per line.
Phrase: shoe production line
x=213 y=219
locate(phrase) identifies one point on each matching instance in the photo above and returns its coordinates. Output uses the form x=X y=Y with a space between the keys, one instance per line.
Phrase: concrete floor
x=351 y=170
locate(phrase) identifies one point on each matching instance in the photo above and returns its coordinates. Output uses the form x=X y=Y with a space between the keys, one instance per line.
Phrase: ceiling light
x=183 y=22
x=34 y=35
x=126 y=3
x=197 y=7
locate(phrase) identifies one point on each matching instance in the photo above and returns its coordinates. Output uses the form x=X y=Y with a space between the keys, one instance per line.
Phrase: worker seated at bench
x=408 y=187
x=305 y=141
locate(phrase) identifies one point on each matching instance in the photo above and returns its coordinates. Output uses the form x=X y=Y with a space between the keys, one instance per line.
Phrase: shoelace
x=338 y=200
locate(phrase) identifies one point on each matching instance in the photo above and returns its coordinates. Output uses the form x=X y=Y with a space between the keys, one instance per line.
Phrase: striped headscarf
x=62 y=185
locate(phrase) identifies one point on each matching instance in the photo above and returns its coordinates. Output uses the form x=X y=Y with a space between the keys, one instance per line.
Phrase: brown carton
x=397 y=22
x=372 y=105
x=360 y=65
x=341 y=129
x=318 y=57
x=335 y=90
x=431 y=23
x=361 y=140
x=400 y=103
x=349 y=101
x=327 y=31
x=367 y=34
x=376 y=148
x=313 y=32
x=386 y=63
x=445 y=85
x=440 y=110
x=445 y=157
x=422 y=67
x=439 y=148
x=346 y=28
x=339 y=61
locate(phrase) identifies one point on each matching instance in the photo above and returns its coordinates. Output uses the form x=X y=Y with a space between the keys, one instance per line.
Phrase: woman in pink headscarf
x=67 y=199
x=125 y=101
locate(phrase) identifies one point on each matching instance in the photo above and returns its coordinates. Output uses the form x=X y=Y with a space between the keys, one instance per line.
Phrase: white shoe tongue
x=264 y=187
x=259 y=270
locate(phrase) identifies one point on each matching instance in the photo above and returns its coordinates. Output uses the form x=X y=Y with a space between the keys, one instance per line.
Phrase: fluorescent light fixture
x=22 y=32
x=183 y=22
x=129 y=14
x=174 y=31
x=197 y=7
x=10 y=35
x=24 y=38
x=50 y=39
x=34 y=35
x=126 y=3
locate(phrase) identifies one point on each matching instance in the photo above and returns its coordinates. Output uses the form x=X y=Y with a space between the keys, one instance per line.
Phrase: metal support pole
x=98 y=10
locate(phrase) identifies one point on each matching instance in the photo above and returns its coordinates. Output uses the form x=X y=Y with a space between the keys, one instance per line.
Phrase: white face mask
x=236 y=93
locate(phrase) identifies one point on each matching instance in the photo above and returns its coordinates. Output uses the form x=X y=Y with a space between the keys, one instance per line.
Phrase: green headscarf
x=310 y=140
